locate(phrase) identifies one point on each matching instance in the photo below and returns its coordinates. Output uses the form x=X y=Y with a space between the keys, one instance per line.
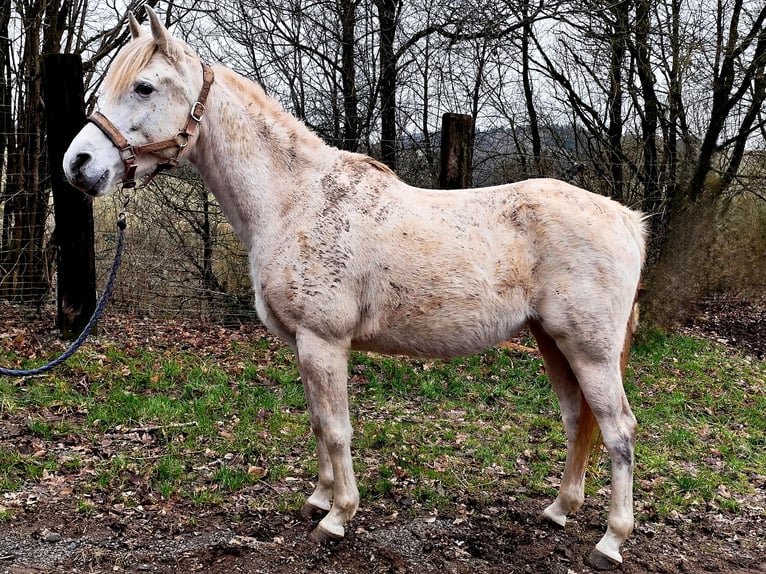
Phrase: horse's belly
x=440 y=334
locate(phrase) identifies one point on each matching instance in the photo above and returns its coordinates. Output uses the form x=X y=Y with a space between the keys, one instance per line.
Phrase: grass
x=138 y=424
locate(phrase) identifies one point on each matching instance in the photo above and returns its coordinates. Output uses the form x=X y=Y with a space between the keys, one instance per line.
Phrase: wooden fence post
x=63 y=93
x=456 y=151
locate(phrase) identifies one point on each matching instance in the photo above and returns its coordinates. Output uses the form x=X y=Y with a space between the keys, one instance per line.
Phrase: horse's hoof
x=321 y=536
x=311 y=512
x=599 y=561
x=559 y=520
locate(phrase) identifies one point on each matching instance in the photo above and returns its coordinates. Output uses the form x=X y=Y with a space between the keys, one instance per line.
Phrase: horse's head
x=152 y=102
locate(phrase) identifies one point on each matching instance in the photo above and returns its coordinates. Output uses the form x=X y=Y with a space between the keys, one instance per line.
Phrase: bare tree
x=29 y=28
x=309 y=56
x=641 y=43
x=347 y=10
x=738 y=90
x=388 y=16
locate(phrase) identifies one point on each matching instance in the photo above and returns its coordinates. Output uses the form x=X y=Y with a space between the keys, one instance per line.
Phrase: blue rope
x=122 y=223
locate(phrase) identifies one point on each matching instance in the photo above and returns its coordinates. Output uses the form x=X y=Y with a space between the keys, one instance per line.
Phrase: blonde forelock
x=129 y=62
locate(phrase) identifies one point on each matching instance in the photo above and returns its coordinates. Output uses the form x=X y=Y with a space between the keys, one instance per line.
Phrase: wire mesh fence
x=183 y=260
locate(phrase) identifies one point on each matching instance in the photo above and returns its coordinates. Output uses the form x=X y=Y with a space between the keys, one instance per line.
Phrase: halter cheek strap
x=128 y=153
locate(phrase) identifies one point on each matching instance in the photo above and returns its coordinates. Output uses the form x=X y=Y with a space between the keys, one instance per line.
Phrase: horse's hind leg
x=579 y=424
x=601 y=384
x=323 y=368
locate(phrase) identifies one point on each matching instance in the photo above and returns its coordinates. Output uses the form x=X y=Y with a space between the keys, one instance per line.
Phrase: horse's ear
x=162 y=37
x=135 y=27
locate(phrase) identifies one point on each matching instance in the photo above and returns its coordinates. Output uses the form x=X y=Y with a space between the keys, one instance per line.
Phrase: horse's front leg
x=320 y=501
x=323 y=368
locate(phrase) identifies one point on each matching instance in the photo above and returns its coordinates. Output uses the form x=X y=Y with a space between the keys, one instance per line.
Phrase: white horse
x=344 y=255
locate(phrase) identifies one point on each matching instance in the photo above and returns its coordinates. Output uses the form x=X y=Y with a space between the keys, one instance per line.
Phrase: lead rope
x=122 y=224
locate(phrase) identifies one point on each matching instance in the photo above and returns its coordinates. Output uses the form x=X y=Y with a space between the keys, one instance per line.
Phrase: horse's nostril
x=79 y=161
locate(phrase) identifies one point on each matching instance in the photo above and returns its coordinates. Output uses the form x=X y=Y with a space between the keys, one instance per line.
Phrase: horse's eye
x=143 y=89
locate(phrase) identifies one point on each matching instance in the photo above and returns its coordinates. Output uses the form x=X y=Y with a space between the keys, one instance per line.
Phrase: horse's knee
x=337 y=438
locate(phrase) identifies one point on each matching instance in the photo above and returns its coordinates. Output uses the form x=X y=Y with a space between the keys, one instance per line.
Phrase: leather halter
x=128 y=153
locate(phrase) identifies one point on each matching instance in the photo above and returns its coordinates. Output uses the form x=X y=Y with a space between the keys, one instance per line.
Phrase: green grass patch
x=144 y=424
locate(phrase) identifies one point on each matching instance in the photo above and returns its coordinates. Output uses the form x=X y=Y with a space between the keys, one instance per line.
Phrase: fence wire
x=183 y=260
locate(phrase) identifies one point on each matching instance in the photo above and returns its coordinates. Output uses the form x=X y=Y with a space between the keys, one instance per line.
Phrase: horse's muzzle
x=79 y=173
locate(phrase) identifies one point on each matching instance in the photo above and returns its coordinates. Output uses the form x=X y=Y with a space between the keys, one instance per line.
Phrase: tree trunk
x=534 y=128
x=676 y=121
x=74 y=236
x=348 y=76
x=653 y=197
x=387 y=16
x=23 y=269
x=615 y=100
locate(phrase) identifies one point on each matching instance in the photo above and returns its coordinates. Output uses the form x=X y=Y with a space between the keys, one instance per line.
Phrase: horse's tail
x=629 y=332
x=635 y=222
x=589 y=435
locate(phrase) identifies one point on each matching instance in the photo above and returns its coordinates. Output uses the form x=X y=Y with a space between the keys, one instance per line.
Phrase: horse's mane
x=268 y=106
x=135 y=56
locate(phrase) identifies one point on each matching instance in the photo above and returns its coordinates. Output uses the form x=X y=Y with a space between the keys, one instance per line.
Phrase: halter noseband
x=129 y=152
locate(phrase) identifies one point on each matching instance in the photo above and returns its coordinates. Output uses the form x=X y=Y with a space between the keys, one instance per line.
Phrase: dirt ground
x=184 y=539
x=49 y=535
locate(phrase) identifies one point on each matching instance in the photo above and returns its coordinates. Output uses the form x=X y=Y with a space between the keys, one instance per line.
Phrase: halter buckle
x=127 y=154
x=197 y=111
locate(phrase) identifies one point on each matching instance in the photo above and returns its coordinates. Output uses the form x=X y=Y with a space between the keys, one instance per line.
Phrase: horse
x=345 y=256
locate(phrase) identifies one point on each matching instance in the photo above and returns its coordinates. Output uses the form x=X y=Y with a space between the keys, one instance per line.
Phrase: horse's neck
x=254 y=157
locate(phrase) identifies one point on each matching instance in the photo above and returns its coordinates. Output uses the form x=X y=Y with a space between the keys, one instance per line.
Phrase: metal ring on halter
x=182 y=140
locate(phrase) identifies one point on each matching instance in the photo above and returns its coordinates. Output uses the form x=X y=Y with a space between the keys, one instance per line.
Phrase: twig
x=152 y=428
x=516 y=347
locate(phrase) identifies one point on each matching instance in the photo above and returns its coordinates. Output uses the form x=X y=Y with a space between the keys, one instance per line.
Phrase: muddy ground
x=48 y=533
x=55 y=538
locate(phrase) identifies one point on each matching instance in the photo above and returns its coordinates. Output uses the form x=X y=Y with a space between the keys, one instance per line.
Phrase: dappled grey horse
x=344 y=255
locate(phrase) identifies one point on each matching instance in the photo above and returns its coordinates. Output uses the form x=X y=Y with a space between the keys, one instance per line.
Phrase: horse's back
x=549 y=224
x=398 y=269
x=451 y=272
